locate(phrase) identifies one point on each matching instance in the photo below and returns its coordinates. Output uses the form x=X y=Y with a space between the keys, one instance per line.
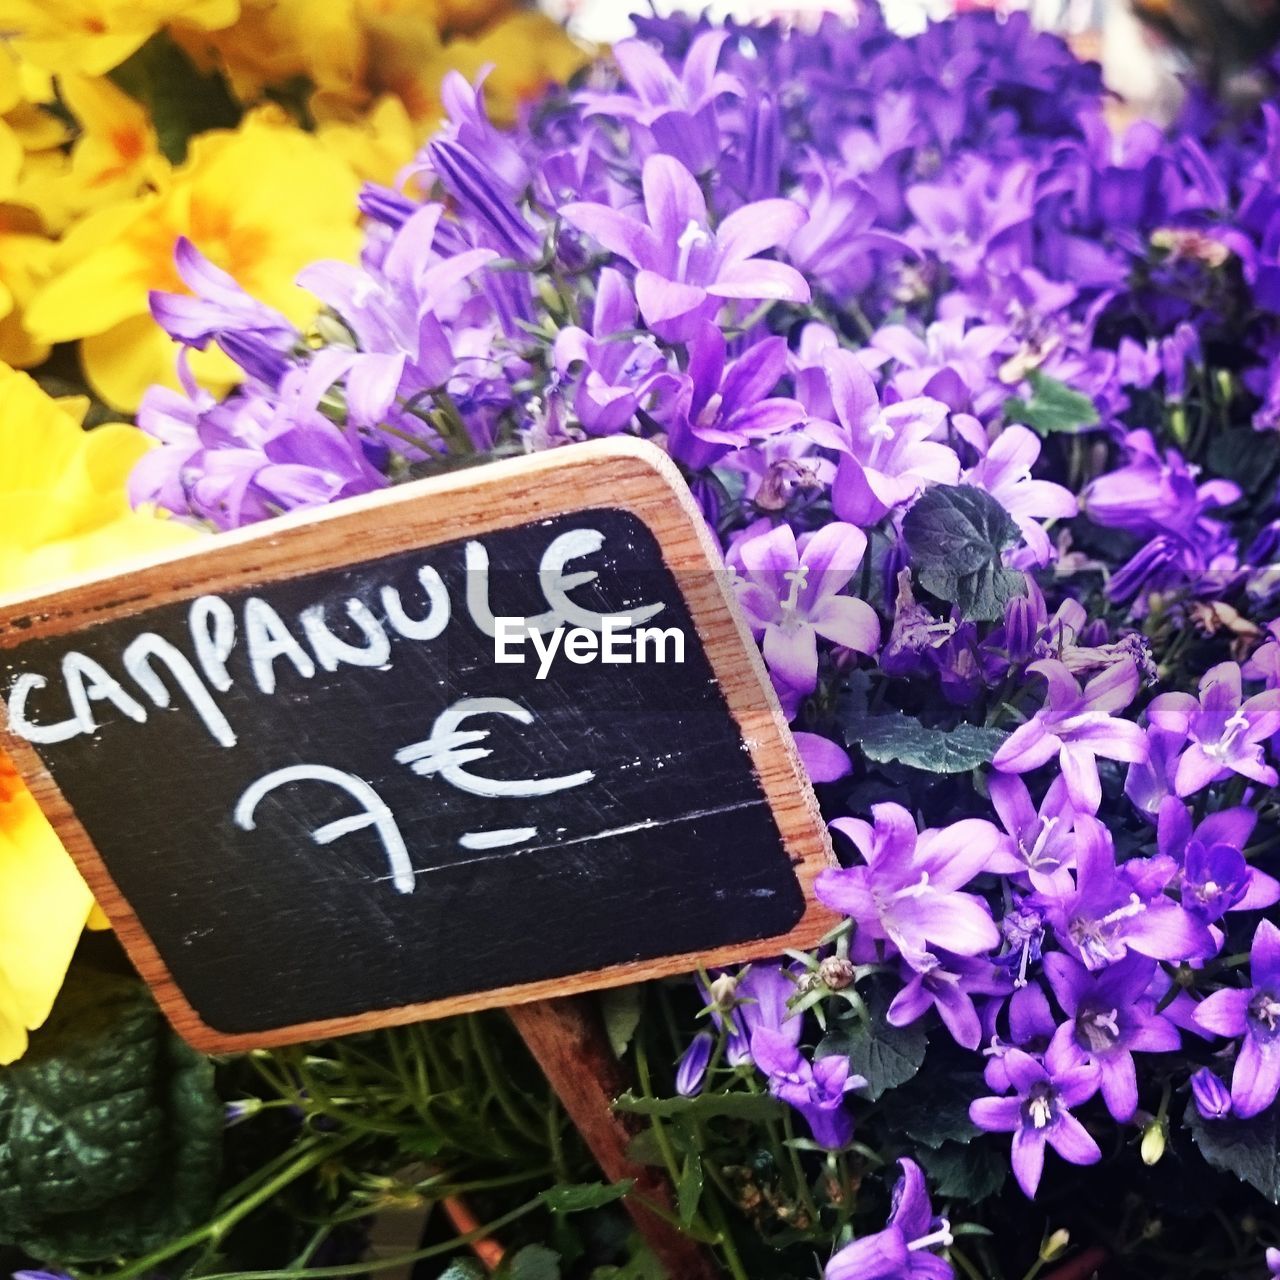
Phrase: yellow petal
x=91 y=296
x=44 y=904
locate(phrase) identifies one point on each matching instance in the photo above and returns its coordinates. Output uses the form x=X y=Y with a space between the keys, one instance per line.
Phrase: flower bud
x=1056 y=1245
x=693 y=1065
x=1213 y=1099
x=837 y=972
x=723 y=992
x=1153 y=1142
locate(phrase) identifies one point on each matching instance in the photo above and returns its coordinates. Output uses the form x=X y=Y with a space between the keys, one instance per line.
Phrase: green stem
x=383 y=1264
x=503 y=1095
x=218 y=1227
x=797 y=1168
x=721 y=1227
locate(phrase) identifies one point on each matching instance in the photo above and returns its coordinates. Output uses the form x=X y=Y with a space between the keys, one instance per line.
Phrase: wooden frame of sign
x=626 y=475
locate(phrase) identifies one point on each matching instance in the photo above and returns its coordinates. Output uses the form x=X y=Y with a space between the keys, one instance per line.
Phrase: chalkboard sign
x=473 y=741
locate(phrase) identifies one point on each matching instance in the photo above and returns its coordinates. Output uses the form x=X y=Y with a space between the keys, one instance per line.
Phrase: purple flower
x=1273 y=1261
x=1039 y=1113
x=693 y=1064
x=952 y=361
x=887 y=453
x=1077 y=725
x=758 y=997
x=1225 y=729
x=401 y=311
x=978 y=222
x=674 y=111
x=948 y=984
x=1031 y=1028
x=613 y=373
x=1110 y=1015
x=902 y=1250
x=220 y=310
x=1215 y=877
x=1252 y=1013
x=823 y=760
x=486 y=198
x=1212 y=1097
x=1149 y=781
x=713 y=409
x=816 y=1091
x=1114 y=910
x=1155 y=493
x=1005 y=473
x=791 y=597
x=908 y=891
x=1040 y=843
x=684 y=269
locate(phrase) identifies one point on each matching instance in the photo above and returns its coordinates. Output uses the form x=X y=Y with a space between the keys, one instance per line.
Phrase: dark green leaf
x=110 y=1129
x=1246 y=456
x=955 y=535
x=535 y=1262
x=1053 y=407
x=886 y=1056
x=935 y=1111
x=970 y=1173
x=1248 y=1148
x=585 y=1195
x=903 y=738
x=689 y=1188
x=736 y=1106
x=621 y=1009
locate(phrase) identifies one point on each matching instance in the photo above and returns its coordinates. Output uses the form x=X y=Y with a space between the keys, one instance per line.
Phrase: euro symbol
x=450 y=748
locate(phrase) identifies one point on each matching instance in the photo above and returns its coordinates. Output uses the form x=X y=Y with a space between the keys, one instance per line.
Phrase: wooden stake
x=567 y=1037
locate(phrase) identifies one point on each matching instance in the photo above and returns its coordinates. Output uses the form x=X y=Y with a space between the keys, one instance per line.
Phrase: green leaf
x=898 y=736
x=936 y=1111
x=1053 y=407
x=1248 y=1148
x=620 y=1007
x=689 y=1188
x=886 y=1056
x=734 y=1106
x=535 y=1262
x=585 y=1195
x=970 y=1173
x=1246 y=456
x=110 y=1129
x=955 y=535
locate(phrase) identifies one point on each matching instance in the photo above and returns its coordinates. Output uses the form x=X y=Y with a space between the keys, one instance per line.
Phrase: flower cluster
x=124 y=123
x=981 y=400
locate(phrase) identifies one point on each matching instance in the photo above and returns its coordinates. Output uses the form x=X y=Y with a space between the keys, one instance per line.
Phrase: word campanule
x=307 y=646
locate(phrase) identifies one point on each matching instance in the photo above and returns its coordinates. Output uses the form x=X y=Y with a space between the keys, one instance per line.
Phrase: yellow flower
x=376 y=145
x=95 y=35
x=116 y=154
x=261 y=202
x=528 y=52
x=63 y=510
x=276 y=41
x=26 y=259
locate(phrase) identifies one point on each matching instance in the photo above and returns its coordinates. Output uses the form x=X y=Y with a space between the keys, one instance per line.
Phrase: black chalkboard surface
x=313 y=797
